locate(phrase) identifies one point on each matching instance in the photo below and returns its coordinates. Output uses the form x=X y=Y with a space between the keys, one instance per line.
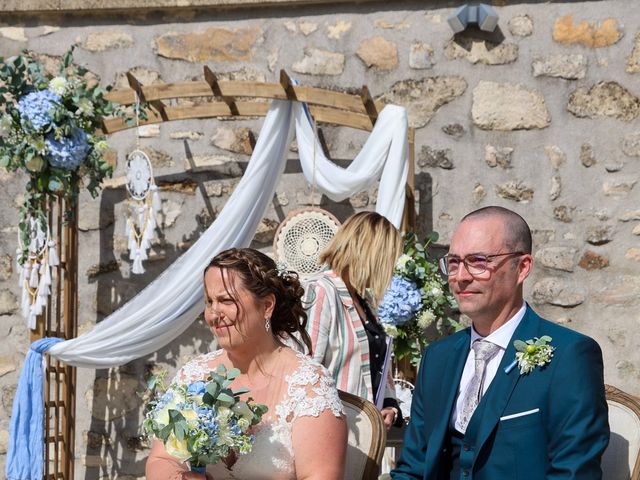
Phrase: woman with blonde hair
x=346 y=335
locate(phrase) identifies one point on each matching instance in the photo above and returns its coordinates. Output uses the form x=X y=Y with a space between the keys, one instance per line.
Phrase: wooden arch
x=237 y=99
x=228 y=99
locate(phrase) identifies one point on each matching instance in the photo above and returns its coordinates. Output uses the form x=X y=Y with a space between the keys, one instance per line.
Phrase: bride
x=250 y=308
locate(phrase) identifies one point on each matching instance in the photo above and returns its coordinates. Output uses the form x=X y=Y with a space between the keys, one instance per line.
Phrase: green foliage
x=434 y=319
x=23 y=146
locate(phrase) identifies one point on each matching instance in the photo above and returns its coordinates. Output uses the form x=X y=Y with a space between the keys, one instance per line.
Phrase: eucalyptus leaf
x=519 y=345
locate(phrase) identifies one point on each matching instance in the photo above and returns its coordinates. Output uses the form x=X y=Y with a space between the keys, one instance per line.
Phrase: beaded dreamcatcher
x=35 y=271
x=143 y=203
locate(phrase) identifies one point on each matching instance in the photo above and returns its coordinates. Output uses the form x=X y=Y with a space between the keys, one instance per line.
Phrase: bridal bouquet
x=417 y=298
x=202 y=422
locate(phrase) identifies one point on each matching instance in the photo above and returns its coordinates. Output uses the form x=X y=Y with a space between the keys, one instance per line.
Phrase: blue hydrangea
x=36 y=107
x=67 y=152
x=197 y=387
x=400 y=303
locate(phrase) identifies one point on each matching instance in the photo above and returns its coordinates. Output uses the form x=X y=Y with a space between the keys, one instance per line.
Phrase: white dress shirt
x=500 y=337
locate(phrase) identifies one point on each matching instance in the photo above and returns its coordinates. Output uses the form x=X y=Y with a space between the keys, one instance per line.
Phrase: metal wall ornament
x=35 y=271
x=143 y=205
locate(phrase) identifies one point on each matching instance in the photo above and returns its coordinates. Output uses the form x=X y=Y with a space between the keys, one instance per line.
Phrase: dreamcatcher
x=35 y=271
x=143 y=204
x=305 y=232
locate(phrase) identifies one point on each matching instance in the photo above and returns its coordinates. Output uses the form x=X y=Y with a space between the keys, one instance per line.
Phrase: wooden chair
x=621 y=459
x=367 y=438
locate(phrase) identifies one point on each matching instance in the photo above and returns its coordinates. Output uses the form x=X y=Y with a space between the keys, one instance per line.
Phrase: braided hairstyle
x=259 y=274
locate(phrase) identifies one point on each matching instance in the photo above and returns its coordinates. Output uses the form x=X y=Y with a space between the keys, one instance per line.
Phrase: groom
x=474 y=415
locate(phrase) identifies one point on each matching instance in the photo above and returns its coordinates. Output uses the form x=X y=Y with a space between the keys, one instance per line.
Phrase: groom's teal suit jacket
x=559 y=422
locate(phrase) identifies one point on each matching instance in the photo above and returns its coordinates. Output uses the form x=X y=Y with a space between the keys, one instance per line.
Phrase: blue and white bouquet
x=417 y=298
x=49 y=129
x=203 y=422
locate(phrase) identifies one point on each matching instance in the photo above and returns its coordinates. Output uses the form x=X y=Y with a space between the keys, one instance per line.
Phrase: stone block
x=186 y=135
x=593 y=261
x=107 y=40
x=17 y=34
x=359 y=200
x=599 y=235
x=604 y=99
x=149 y=131
x=507 y=106
x=266 y=231
x=633 y=254
x=454 y=130
x=636 y=230
x=559 y=292
x=556 y=188
x=307 y=28
x=4 y=441
x=8 y=303
x=237 y=140
x=515 y=190
x=185 y=186
x=619 y=187
x=320 y=62
x=223 y=164
x=631 y=144
x=630 y=215
x=431 y=157
x=6 y=267
x=587 y=157
x=212 y=44
x=498 y=156
x=423 y=98
x=555 y=155
x=569 y=67
x=144 y=75
x=557 y=258
x=624 y=291
x=338 y=29
x=589 y=34
x=379 y=53
x=481 y=51
x=521 y=26
x=633 y=60
x=421 y=56
x=478 y=193
x=564 y=213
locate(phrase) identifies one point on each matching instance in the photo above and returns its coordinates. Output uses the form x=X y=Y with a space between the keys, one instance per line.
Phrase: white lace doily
x=302 y=236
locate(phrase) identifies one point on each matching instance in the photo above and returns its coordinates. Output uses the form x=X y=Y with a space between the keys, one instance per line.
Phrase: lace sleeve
x=196 y=369
x=311 y=391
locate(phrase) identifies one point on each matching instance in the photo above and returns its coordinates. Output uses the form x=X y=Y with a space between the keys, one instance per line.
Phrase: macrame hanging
x=143 y=204
x=35 y=271
x=305 y=232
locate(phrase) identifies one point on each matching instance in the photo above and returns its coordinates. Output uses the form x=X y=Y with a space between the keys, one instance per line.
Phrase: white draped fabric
x=168 y=305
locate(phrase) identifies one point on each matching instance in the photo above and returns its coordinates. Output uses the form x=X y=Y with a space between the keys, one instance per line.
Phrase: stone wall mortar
x=574 y=178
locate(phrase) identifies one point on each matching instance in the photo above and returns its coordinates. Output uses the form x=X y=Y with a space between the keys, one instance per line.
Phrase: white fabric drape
x=168 y=305
x=383 y=156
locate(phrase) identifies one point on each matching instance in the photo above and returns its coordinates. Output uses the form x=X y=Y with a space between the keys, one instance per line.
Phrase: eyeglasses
x=475 y=263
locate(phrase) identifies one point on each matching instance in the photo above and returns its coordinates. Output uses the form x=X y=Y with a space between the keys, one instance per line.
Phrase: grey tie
x=484 y=351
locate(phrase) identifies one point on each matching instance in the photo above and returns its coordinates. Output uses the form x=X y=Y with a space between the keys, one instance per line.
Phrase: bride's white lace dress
x=308 y=391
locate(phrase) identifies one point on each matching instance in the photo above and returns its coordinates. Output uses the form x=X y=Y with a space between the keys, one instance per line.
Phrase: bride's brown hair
x=259 y=274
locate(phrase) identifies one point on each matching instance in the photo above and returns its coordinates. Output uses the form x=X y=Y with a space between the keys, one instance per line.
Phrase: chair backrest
x=367 y=438
x=621 y=459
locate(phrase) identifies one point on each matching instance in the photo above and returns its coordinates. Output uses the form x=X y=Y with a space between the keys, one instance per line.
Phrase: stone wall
x=540 y=116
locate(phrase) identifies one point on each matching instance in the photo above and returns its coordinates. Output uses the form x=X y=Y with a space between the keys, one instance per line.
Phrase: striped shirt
x=338 y=336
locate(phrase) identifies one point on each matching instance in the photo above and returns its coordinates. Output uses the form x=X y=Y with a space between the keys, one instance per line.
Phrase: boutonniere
x=531 y=354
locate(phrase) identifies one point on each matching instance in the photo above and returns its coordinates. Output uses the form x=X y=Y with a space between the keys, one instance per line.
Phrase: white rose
x=177 y=448
x=58 y=85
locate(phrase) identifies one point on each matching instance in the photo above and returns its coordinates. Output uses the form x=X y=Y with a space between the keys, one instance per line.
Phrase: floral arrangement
x=533 y=353
x=204 y=422
x=417 y=298
x=48 y=128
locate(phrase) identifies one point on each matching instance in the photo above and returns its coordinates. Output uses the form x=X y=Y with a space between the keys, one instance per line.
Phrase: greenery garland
x=50 y=130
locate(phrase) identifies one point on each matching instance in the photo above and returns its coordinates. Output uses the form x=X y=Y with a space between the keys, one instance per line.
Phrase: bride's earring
x=267 y=323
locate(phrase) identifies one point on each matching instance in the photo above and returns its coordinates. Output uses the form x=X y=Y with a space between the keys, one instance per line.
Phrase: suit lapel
x=448 y=393
x=495 y=400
